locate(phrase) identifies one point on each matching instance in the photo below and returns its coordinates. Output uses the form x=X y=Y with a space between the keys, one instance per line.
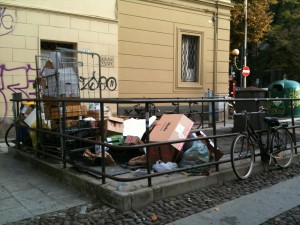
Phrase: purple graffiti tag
x=15 y=87
x=1 y=91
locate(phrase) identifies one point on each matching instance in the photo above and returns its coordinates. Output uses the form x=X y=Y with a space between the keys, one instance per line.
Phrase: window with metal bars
x=189 y=61
x=189 y=58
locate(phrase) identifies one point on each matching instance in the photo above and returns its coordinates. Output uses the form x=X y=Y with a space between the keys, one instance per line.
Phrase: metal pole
x=245 y=40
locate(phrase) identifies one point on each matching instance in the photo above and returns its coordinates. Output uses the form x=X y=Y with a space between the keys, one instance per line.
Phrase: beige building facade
x=152 y=56
x=26 y=27
x=153 y=48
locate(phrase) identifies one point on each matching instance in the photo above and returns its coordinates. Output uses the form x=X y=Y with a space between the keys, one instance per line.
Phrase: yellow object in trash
x=28 y=103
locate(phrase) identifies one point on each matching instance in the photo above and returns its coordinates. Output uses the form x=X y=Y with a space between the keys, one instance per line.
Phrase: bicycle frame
x=264 y=147
x=255 y=138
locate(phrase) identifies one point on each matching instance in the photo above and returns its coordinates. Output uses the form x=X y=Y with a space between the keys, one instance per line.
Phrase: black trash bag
x=124 y=155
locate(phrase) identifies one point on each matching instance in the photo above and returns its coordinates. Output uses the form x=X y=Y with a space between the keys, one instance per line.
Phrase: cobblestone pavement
x=171 y=209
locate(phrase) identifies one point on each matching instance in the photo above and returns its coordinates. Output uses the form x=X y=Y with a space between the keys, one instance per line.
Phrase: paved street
x=31 y=197
x=253 y=208
x=26 y=192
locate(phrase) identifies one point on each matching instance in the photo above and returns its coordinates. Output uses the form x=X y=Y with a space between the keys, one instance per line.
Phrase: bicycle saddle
x=272 y=121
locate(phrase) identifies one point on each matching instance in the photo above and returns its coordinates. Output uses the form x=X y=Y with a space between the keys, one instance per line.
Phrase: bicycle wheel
x=8 y=139
x=195 y=116
x=242 y=156
x=282 y=147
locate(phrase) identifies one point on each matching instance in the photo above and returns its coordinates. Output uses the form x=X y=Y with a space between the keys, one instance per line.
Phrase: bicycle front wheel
x=242 y=156
x=282 y=147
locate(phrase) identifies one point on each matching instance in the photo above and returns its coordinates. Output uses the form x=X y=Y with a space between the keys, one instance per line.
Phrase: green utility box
x=284 y=89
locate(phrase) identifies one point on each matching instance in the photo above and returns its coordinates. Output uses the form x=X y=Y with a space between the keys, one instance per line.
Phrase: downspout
x=215 y=55
x=215 y=69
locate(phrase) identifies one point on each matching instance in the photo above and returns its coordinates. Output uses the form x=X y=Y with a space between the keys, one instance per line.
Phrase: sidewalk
x=26 y=192
x=251 y=209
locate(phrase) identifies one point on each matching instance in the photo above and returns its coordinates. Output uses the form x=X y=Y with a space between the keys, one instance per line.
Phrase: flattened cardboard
x=136 y=127
x=114 y=125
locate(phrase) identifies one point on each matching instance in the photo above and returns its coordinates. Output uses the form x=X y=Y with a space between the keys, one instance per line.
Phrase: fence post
x=16 y=112
x=210 y=107
x=293 y=124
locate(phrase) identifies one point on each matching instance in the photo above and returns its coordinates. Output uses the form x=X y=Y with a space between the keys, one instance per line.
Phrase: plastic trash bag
x=197 y=154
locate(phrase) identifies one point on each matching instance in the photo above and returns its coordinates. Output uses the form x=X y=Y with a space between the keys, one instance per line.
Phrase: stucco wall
x=148 y=45
x=140 y=35
x=24 y=24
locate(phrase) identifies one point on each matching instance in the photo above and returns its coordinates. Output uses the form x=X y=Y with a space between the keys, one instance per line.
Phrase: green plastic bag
x=197 y=154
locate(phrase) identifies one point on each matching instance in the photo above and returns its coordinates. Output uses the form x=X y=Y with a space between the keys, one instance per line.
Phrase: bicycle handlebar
x=244 y=112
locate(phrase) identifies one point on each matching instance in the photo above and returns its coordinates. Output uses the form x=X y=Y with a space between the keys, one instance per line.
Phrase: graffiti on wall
x=92 y=83
x=295 y=93
x=7 y=21
x=279 y=107
x=10 y=84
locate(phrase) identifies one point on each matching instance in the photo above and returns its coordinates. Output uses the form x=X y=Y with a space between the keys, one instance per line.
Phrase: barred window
x=189 y=58
x=188 y=72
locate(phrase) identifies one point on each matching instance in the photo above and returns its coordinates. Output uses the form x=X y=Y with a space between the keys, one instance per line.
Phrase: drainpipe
x=215 y=55
x=215 y=69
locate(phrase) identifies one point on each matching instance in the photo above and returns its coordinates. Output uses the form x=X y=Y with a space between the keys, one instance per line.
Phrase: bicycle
x=139 y=111
x=276 y=144
x=193 y=114
x=18 y=130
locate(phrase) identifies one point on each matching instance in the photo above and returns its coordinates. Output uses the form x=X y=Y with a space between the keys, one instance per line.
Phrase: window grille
x=189 y=58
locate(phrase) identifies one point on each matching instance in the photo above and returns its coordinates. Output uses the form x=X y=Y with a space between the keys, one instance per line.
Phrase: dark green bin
x=284 y=89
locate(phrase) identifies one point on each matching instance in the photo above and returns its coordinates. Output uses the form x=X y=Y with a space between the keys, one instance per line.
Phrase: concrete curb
x=135 y=195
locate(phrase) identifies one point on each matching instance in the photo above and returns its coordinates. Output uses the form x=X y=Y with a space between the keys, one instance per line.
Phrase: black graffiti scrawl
x=92 y=83
x=7 y=21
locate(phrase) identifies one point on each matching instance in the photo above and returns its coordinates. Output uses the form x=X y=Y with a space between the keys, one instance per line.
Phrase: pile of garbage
x=130 y=133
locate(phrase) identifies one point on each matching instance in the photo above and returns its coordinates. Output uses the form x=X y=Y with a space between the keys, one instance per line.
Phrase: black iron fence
x=73 y=139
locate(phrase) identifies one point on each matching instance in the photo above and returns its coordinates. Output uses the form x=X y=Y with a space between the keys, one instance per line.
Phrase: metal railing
x=63 y=149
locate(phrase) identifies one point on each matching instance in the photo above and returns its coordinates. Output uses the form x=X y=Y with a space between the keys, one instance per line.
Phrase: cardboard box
x=165 y=153
x=96 y=114
x=68 y=123
x=55 y=104
x=53 y=113
x=114 y=125
x=134 y=140
x=172 y=127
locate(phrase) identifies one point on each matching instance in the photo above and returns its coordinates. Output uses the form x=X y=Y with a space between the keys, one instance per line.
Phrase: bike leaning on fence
x=276 y=144
x=193 y=112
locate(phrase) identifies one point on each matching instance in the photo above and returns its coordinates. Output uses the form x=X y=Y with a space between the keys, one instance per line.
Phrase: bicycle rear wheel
x=196 y=118
x=282 y=147
x=242 y=156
